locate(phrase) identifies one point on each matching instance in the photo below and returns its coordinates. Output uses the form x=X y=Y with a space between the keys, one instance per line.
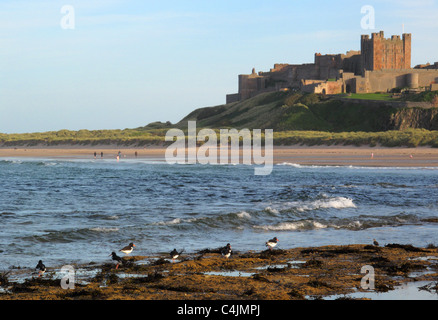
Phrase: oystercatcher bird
x=128 y=249
x=175 y=254
x=115 y=257
x=41 y=268
x=272 y=243
x=226 y=251
x=375 y=243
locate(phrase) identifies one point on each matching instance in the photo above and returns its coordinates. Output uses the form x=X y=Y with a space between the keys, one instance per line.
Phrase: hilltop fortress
x=380 y=66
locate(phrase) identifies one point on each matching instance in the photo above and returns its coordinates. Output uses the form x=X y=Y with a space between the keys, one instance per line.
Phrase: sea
x=74 y=211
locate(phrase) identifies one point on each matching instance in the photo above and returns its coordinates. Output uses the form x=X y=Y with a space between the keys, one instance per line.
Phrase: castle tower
x=379 y=53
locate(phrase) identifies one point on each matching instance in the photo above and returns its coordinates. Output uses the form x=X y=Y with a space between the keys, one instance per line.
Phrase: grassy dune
x=296 y=118
x=408 y=138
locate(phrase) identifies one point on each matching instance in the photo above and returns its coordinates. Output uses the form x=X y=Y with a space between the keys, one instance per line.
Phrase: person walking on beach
x=101 y=155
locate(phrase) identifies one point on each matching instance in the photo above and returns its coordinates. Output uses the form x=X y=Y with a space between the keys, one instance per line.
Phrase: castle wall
x=234 y=97
x=384 y=80
x=248 y=85
x=352 y=64
x=327 y=66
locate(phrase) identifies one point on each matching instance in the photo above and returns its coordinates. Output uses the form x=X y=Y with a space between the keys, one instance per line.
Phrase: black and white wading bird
x=115 y=257
x=272 y=243
x=128 y=249
x=41 y=268
x=174 y=254
x=226 y=251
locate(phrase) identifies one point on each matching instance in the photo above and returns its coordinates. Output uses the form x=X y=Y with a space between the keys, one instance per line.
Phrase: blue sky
x=128 y=63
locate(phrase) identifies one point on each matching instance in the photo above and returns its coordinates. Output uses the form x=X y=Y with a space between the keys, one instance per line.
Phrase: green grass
x=85 y=137
x=296 y=118
x=393 y=138
x=136 y=137
x=426 y=96
x=371 y=96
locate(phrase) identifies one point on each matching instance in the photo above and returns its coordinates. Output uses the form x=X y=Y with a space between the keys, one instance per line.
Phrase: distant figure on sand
x=136 y=154
x=95 y=155
x=101 y=154
x=372 y=155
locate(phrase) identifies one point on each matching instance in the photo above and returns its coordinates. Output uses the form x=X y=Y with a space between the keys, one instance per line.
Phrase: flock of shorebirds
x=174 y=254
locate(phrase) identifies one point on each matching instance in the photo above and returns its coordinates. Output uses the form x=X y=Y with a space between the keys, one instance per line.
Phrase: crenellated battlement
x=380 y=53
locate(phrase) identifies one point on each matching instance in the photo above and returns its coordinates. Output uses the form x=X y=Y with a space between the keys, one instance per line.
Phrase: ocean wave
x=336 y=203
x=103 y=229
x=271 y=210
x=70 y=235
x=243 y=215
x=3 y=214
x=353 y=223
x=303 y=166
x=390 y=185
x=6 y=162
x=30 y=162
x=168 y=223
x=48 y=164
x=324 y=203
x=293 y=226
x=295 y=165
x=210 y=221
x=310 y=166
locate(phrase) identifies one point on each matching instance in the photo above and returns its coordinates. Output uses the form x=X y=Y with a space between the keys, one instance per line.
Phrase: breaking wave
x=324 y=203
x=103 y=229
x=293 y=226
x=244 y=215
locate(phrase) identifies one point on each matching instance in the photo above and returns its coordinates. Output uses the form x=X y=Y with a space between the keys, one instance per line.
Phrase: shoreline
x=305 y=273
x=300 y=155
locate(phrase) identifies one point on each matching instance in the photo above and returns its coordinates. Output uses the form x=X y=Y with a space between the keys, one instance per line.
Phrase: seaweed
x=407 y=247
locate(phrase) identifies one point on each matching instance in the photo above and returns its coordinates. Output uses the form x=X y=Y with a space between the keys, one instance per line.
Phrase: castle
x=380 y=66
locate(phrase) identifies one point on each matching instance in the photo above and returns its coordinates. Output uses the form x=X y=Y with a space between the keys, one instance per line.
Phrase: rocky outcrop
x=415 y=118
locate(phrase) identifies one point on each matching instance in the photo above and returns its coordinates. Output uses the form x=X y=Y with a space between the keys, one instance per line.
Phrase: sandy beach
x=302 y=155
